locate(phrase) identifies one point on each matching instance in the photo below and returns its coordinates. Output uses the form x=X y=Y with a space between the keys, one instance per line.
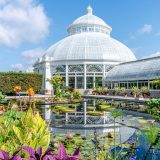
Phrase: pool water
x=129 y=125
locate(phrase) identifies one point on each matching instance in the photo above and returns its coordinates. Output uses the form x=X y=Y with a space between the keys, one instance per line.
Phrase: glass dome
x=89 y=23
x=89 y=40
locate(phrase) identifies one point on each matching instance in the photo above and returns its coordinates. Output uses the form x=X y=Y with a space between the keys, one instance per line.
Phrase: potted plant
x=115 y=90
x=135 y=91
x=105 y=91
x=145 y=91
x=124 y=91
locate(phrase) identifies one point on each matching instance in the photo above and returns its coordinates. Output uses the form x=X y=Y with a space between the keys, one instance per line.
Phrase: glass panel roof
x=136 y=70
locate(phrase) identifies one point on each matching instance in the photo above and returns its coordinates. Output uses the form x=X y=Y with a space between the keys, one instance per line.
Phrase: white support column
x=111 y=84
x=103 y=78
x=85 y=112
x=66 y=75
x=94 y=79
x=75 y=86
x=127 y=85
x=85 y=79
x=137 y=84
x=148 y=85
x=47 y=87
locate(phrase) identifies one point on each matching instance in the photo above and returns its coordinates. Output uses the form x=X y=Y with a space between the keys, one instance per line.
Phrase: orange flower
x=17 y=88
x=30 y=92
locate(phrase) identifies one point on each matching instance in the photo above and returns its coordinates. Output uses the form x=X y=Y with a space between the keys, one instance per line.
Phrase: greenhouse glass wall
x=135 y=73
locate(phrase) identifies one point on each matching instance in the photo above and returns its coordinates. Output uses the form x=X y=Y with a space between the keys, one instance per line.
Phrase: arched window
x=76 y=68
x=94 y=68
x=60 y=68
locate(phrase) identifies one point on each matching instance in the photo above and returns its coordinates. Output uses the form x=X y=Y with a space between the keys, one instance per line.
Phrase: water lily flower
x=69 y=135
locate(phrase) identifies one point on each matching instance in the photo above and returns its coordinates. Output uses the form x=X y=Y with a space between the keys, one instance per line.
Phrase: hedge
x=8 y=80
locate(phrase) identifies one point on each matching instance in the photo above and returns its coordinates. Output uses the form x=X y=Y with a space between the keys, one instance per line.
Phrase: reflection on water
x=48 y=115
x=123 y=132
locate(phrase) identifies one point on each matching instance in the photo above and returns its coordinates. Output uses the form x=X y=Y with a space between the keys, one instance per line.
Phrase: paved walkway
x=35 y=96
x=117 y=98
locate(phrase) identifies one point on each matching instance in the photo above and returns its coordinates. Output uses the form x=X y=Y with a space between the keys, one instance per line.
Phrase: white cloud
x=17 y=67
x=29 y=69
x=153 y=55
x=32 y=55
x=147 y=28
x=22 y=21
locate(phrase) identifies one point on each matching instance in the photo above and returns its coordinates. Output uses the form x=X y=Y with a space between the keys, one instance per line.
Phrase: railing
x=81 y=118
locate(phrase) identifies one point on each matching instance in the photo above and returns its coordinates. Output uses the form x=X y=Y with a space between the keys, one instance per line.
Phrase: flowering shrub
x=30 y=92
x=17 y=89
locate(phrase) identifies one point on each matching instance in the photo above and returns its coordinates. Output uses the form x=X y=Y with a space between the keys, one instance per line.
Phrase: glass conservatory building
x=136 y=73
x=85 y=55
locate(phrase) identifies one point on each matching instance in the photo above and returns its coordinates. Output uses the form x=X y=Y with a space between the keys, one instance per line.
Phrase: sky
x=29 y=27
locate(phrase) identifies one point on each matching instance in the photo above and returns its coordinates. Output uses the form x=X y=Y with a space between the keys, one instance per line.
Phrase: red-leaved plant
x=37 y=154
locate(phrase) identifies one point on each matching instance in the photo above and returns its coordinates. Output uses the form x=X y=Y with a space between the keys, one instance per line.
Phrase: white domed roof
x=87 y=23
x=89 y=40
x=90 y=47
x=89 y=19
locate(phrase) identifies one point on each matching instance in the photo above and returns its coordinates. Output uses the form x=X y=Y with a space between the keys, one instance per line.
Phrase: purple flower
x=94 y=141
x=132 y=158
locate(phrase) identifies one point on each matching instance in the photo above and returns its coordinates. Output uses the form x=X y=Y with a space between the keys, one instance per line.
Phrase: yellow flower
x=30 y=92
x=17 y=88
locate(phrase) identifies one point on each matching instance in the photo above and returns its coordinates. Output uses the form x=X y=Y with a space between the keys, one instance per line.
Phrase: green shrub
x=9 y=80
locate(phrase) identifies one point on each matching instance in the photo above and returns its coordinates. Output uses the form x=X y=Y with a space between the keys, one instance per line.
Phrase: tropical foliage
x=22 y=128
x=58 y=85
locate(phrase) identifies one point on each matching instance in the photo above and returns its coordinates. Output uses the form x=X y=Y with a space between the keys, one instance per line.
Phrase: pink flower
x=69 y=135
x=54 y=140
x=21 y=110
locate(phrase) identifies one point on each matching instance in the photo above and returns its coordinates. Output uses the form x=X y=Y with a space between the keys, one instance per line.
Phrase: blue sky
x=29 y=27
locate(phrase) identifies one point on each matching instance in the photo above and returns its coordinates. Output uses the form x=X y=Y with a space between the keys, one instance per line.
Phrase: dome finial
x=89 y=10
